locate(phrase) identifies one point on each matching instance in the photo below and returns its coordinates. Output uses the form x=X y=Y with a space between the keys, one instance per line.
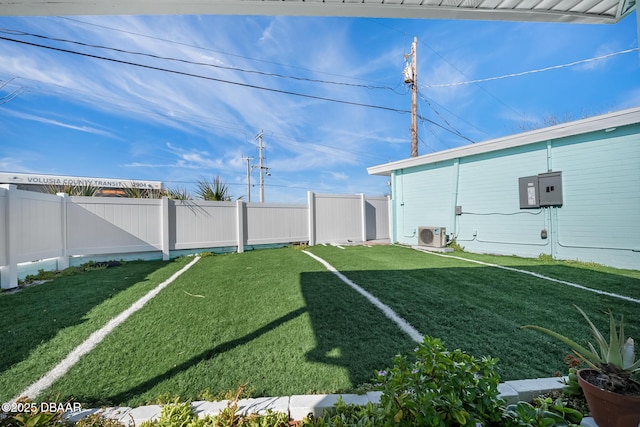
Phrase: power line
x=462 y=119
x=456 y=131
x=211 y=50
x=185 y=61
x=229 y=126
x=455 y=68
x=182 y=73
x=539 y=70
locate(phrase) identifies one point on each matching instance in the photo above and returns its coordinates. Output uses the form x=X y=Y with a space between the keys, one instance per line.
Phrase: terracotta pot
x=610 y=409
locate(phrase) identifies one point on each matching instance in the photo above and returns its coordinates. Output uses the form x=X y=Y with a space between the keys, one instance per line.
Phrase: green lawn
x=41 y=324
x=269 y=319
x=480 y=309
x=278 y=322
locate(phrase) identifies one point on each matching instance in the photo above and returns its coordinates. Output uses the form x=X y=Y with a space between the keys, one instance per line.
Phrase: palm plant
x=143 y=193
x=616 y=357
x=72 y=190
x=178 y=193
x=215 y=190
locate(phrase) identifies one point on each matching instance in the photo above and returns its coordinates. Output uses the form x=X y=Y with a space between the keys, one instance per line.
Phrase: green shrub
x=97 y=420
x=347 y=415
x=456 y=246
x=544 y=413
x=436 y=387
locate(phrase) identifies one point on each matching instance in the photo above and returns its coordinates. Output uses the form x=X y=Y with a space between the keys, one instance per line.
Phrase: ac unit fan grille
x=426 y=236
x=435 y=237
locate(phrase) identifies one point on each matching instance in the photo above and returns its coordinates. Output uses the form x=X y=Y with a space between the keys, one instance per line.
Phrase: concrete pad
x=529 y=389
x=432 y=249
x=508 y=393
x=203 y=408
x=144 y=413
x=262 y=405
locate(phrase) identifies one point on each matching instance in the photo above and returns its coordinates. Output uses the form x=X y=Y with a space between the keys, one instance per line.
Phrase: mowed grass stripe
x=620 y=281
x=480 y=309
x=42 y=324
x=273 y=320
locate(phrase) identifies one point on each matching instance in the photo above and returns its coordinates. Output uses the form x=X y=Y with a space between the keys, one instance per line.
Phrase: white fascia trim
x=579 y=127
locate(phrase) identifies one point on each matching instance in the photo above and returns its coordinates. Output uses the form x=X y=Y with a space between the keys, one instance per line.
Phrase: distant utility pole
x=248 y=177
x=261 y=166
x=411 y=76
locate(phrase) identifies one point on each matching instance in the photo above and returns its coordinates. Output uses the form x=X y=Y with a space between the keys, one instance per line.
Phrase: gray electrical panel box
x=529 y=192
x=550 y=188
x=540 y=190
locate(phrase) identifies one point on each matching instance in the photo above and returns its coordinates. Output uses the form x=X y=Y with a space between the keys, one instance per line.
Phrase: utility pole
x=411 y=76
x=261 y=166
x=248 y=178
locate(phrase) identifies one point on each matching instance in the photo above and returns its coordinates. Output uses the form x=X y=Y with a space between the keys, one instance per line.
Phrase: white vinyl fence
x=35 y=226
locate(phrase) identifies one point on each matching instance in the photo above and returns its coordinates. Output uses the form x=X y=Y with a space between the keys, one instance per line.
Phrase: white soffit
x=579 y=127
x=584 y=11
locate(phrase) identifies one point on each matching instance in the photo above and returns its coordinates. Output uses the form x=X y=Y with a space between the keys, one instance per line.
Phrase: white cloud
x=81 y=128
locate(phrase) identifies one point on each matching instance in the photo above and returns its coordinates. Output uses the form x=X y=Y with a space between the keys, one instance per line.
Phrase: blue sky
x=84 y=116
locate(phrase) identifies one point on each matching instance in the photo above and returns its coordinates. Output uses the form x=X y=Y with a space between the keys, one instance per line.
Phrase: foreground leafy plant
x=545 y=413
x=436 y=387
x=347 y=415
x=616 y=357
x=32 y=416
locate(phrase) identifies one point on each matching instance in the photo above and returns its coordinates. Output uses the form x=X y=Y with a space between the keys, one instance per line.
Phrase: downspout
x=454 y=199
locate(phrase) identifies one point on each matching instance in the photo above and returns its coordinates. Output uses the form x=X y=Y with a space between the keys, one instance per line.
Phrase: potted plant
x=612 y=394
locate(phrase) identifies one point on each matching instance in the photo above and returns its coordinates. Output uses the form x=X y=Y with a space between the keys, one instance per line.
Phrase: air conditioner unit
x=435 y=237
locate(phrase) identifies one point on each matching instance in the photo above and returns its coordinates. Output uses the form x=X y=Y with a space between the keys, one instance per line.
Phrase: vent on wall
x=435 y=237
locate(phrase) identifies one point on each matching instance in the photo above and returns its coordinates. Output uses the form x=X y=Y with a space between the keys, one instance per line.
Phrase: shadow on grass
x=37 y=314
x=205 y=355
x=350 y=332
x=479 y=310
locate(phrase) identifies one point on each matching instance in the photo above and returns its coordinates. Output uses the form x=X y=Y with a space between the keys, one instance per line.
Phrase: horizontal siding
x=599 y=220
x=423 y=198
x=601 y=183
x=488 y=192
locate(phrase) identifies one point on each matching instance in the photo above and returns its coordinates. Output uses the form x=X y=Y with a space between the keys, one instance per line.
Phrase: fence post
x=164 y=223
x=311 y=203
x=363 y=206
x=240 y=224
x=9 y=272
x=63 y=260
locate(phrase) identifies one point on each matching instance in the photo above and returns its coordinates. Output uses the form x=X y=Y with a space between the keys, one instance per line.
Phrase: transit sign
x=37 y=179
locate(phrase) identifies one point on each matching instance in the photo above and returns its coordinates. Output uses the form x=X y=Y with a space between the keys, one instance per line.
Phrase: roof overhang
x=592 y=124
x=584 y=11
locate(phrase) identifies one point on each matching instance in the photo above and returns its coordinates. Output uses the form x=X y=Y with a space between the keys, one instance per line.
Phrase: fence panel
x=102 y=225
x=3 y=226
x=202 y=224
x=338 y=218
x=38 y=225
x=377 y=218
x=276 y=223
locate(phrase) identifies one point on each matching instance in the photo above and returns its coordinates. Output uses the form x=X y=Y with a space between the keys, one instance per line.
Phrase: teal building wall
x=599 y=219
